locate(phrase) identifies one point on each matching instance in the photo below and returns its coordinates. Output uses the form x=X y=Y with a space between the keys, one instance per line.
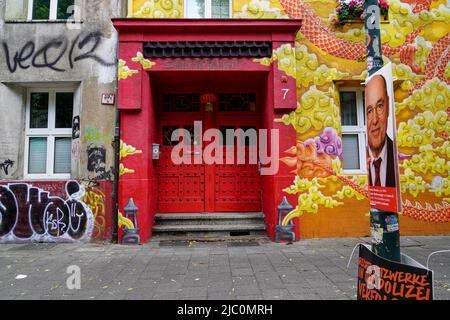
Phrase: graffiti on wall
x=6 y=165
x=53 y=53
x=96 y=163
x=30 y=213
x=95 y=199
x=92 y=135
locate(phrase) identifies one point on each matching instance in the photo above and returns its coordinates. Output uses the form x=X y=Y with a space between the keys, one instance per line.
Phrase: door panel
x=237 y=186
x=208 y=188
x=180 y=187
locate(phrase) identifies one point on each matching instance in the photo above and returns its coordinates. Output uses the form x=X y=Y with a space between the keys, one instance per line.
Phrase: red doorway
x=138 y=96
x=200 y=186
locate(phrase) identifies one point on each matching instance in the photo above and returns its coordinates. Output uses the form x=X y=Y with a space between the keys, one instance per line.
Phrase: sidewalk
x=309 y=269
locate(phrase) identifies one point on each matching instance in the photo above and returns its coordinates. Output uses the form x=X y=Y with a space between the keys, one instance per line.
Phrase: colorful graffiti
x=95 y=199
x=29 y=213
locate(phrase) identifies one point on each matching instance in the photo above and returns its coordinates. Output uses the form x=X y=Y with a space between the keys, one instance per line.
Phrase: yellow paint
x=145 y=63
x=124 y=71
x=258 y=9
x=125 y=151
x=155 y=9
x=125 y=222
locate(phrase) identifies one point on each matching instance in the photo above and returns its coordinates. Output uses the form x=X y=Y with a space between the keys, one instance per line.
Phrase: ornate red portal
x=168 y=67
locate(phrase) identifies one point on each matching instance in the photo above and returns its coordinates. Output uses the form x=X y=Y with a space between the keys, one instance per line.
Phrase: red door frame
x=138 y=116
x=218 y=83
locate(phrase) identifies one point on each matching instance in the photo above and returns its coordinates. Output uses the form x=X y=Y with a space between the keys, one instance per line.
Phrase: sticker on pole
x=381 y=279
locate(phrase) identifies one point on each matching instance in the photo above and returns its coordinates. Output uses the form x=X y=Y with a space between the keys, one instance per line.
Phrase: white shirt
x=383 y=166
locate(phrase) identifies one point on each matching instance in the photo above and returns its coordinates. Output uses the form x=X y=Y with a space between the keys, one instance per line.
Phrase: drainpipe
x=389 y=246
x=115 y=213
x=116 y=145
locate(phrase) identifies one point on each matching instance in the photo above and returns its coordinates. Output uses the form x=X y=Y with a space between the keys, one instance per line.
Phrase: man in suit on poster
x=381 y=147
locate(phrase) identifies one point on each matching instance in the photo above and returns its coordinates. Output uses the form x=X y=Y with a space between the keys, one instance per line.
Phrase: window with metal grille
x=181 y=102
x=237 y=102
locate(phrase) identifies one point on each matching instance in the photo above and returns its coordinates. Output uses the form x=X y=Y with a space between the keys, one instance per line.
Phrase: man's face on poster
x=377 y=113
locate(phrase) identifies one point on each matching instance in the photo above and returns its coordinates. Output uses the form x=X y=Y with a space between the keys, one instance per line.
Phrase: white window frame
x=53 y=10
x=50 y=133
x=208 y=10
x=359 y=129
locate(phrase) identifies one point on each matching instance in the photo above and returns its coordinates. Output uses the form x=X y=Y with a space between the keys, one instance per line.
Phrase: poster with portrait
x=382 y=155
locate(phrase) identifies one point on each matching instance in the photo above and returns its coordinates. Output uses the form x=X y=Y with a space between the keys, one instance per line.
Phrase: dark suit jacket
x=390 y=172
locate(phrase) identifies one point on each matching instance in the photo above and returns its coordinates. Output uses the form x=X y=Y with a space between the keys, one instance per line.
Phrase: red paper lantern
x=208 y=98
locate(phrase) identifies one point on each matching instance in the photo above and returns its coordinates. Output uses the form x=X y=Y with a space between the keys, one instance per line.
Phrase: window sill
x=354 y=173
x=44 y=21
x=46 y=178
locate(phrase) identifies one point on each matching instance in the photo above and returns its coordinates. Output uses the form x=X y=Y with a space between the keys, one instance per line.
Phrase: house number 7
x=285 y=93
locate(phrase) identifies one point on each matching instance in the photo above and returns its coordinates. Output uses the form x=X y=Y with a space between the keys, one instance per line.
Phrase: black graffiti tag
x=5 y=165
x=27 y=212
x=29 y=55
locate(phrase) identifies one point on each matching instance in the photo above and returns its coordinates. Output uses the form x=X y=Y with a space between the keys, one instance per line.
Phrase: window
x=353 y=130
x=207 y=9
x=48 y=133
x=50 y=9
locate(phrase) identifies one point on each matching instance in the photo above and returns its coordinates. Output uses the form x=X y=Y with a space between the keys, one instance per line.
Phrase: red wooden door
x=226 y=187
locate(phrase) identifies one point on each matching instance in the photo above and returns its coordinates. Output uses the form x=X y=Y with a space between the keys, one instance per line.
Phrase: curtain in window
x=37 y=159
x=351 y=151
x=63 y=148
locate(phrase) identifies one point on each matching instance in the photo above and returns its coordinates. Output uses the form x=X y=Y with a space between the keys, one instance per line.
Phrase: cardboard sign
x=381 y=279
x=382 y=155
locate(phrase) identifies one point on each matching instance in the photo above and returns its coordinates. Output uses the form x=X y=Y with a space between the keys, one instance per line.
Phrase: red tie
x=377 y=164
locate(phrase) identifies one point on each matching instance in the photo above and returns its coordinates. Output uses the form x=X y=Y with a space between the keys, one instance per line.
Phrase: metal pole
x=383 y=224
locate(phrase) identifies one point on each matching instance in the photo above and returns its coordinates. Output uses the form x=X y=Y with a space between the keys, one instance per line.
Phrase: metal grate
x=250 y=243
x=174 y=243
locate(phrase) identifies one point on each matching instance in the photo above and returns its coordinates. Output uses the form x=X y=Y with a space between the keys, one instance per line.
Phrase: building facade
x=286 y=70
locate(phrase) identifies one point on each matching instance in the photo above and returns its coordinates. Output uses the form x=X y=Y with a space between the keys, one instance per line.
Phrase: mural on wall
x=155 y=8
x=416 y=40
x=30 y=213
x=125 y=151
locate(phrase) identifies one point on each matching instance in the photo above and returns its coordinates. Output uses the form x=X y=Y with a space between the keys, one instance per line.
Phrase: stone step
x=209 y=216
x=209 y=227
x=204 y=236
x=217 y=226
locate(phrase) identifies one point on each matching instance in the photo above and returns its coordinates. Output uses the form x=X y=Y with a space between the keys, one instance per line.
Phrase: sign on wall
x=382 y=156
x=381 y=279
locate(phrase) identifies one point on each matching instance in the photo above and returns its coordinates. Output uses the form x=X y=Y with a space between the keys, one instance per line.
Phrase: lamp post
x=385 y=237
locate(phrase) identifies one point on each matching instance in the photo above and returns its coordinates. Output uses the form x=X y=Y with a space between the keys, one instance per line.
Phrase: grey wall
x=57 y=54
